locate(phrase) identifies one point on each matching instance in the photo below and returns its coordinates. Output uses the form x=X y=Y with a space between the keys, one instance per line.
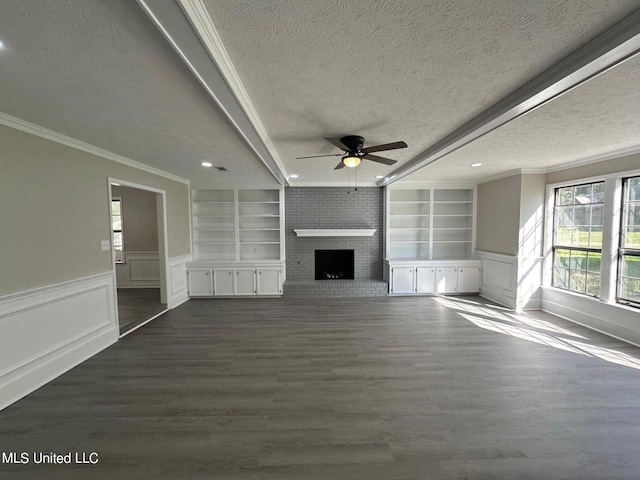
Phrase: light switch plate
x=106 y=245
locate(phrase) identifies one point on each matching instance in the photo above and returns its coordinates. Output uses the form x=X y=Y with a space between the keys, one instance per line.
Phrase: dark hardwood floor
x=137 y=305
x=369 y=388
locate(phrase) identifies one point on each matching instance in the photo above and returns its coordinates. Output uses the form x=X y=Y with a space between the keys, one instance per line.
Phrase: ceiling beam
x=609 y=49
x=180 y=32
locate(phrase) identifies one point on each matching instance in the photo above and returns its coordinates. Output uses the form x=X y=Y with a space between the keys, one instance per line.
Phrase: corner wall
x=57 y=288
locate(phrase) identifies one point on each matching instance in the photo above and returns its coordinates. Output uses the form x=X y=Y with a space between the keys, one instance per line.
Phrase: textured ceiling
x=392 y=70
x=100 y=72
x=601 y=116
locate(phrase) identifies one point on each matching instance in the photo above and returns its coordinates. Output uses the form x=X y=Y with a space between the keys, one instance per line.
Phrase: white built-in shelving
x=430 y=224
x=238 y=225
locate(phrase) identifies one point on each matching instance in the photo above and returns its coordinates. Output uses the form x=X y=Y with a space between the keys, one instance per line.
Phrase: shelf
x=409 y=215
x=237 y=225
x=259 y=243
x=214 y=243
x=393 y=242
x=452 y=215
x=452 y=241
x=408 y=228
x=394 y=202
x=335 y=232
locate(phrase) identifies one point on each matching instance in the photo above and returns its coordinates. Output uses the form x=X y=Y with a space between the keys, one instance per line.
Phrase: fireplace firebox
x=334 y=265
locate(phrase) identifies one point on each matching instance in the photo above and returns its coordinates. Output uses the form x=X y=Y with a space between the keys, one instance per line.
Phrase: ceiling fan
x=354 y=153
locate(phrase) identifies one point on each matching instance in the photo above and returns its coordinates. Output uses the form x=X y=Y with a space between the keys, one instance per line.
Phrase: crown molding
x=601 y=157
x=47 y=134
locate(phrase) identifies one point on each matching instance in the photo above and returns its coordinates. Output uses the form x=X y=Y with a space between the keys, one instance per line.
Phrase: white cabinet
x=468 y=279
x=269 y=281
x=232 y=280
x=223 y=282
x=425 y=280
x=245 y=282
x=446 y=280
x=433 y=277
x=200 y=284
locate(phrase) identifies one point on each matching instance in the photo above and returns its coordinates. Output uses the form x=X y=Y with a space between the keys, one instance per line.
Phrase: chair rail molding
x=46 y=331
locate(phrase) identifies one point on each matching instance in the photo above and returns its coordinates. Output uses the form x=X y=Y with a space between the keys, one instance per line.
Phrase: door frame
x=163 y=253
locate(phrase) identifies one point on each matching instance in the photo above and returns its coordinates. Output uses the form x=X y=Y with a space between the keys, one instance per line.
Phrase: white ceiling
x=388 y=70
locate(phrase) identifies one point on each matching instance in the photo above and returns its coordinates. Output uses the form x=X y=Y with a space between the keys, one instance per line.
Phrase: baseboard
x=616 y=321
x=47 y=331
x=498 y=296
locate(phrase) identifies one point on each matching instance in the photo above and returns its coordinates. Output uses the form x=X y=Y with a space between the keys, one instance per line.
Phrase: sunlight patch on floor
x=526 y=327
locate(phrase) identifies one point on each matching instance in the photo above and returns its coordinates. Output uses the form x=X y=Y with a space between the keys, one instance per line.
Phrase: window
x=577 y=238
x=116 y=222
x=629 y=263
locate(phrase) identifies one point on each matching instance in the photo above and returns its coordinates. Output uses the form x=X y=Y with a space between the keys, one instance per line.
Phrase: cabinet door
x=269 y=281
x=402 y=279
x=446 y=280
x=223 y=282
x=200 y=283
x=245 y=282
x=468 y=279
x=425 y=280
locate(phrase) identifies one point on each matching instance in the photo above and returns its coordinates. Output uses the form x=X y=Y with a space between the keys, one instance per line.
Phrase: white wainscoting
x=614 y=320
x=139 y=270
x=511 y=281
x=178 y=291
x=499 y=278
x=46 y=331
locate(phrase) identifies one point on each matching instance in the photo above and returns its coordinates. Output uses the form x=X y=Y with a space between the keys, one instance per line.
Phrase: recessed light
x=1 y=45
x=476 y=164
x=379 y=176
x=207 y=164
x=293 y=176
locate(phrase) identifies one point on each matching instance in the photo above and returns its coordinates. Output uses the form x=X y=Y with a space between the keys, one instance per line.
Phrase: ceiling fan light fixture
x=351 y=160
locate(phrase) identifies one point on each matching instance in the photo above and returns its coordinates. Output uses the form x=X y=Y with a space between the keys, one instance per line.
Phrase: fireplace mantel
x=334 y=232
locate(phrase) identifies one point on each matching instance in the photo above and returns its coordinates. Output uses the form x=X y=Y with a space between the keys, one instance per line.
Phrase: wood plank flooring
x=368 y=388
x=137 y=305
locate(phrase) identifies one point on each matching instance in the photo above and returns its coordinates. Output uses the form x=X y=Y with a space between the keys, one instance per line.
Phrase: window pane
x=564 y=236
x=634 y=189
x=581 y=215
x=117 y=223
x=564 y=196
x=631 y=237
x=595 y=237
x=593 y=262
x=577 y=281
x=578 y=260
x=596 y=214
x=630 y=278
x=115 y=207
x=633 y=214
x=564 y=216
x=593 y=284
x=561 y=258
x=117 y=240
x=583 y=194
x=561 y=277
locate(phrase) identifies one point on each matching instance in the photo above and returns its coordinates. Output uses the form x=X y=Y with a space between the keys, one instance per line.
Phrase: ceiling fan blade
x=337 y=143
x=318 y=156
x=340 y=165
x=376 y=158
x=386 y=146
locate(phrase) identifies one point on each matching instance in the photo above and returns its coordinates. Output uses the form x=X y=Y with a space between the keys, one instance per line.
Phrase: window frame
x=115 y=230
x=555 y=205
x=624 y=251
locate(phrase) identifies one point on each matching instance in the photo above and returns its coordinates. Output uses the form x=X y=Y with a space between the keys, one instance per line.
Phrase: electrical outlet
x=106 y=245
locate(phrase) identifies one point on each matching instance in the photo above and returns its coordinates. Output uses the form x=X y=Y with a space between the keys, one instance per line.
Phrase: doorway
x=138 y=252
